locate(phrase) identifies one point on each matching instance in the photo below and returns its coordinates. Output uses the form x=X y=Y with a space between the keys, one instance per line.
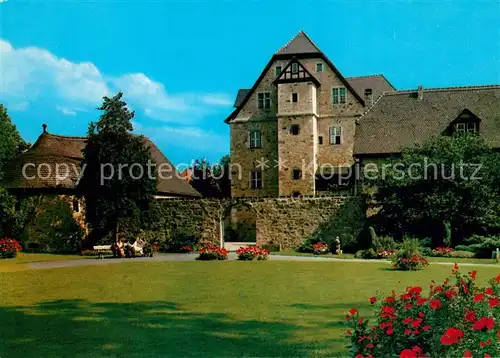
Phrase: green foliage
x=481 y=246
x=384 y=243
x=368 y=254
x=409 y=257
x=421 y=202
x=52 y=228
x=14 y=214
x=461 y=254
x=409 y=248
x=181 y=237
x=447 y=234
x=118 y=200
x=271 y=247
x=307 y=244
x=11 y=142
x=212 y=180
x=373 y=234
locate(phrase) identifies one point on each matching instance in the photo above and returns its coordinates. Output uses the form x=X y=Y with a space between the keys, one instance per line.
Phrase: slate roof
x=240 y=97
x=378 y=84
x=52 y=150
x=400 y=119
x=299 y=44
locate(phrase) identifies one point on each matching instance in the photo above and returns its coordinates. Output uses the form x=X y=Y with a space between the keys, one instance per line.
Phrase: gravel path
x=192 y=257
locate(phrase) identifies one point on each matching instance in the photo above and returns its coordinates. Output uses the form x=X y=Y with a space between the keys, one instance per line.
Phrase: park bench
x=102 y=250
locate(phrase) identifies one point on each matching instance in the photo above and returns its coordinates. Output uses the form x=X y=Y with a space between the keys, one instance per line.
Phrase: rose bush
x=9 y=248
x=456 y=319
x=209 y=252
x=442 y=252
x=252 y=253
x=320 y=248
x=413 y=263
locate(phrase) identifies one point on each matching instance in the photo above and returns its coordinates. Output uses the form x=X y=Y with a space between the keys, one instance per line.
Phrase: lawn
x=139 y=309
x=18 y=263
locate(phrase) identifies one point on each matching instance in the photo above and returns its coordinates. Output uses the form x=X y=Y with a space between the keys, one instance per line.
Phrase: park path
x=192 y=257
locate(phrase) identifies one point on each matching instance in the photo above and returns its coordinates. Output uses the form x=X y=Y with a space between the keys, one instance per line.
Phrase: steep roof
x=52 y=150
x=299 y=44
x=399 y=119
x=377 y=83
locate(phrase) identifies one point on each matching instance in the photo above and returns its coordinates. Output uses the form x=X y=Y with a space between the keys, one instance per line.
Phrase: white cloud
x=216 y=100
x=34 y=73
x=66 y=111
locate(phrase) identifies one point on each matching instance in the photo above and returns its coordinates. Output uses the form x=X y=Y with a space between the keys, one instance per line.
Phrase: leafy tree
x=211 y=180
x=11 y=142
x=435 y=187
x=120 y=178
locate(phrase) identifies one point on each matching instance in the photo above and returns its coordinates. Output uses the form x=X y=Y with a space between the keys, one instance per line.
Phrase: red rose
x=435 y=304
x=421 y=301
x=484 y=323
x=353 y=311
x=488 y=291
x=467 y=354
x=494 y=302
x=373 y=300
x=478 y=298
x=497 y=279
x=451 y=336
x=426 y=327
x=408 y=353
x=470 y=316
x=473 y=274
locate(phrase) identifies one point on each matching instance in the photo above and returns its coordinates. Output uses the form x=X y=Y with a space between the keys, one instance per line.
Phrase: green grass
x=179 y=309
x=18 y=263
x=295 y=253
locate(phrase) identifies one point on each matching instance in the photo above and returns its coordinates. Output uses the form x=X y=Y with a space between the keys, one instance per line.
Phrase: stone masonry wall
x=283 y=221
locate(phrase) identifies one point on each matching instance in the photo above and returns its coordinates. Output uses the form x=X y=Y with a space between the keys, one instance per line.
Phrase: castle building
x=303 y=125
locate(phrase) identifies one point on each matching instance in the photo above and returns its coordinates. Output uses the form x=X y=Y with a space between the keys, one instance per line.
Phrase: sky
x=180 y=63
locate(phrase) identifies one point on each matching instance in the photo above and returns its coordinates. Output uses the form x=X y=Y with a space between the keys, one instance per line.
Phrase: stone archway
x=239 y=226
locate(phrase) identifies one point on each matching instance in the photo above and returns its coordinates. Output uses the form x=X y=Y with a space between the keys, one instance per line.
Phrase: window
x=264 y=100
x=295 y=67
x=368 y=92
x=76 y=206
x=278 y=70
x=256 y=179
x=339 y=95
x=466 y=127
x=294 y=129
x=255 y=139
x=296 y=174
x=320 y=140
x=335 y=135
x=319 y=67
x=295 y=97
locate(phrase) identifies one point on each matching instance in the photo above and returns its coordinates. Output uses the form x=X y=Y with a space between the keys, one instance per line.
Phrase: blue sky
x=180 y=63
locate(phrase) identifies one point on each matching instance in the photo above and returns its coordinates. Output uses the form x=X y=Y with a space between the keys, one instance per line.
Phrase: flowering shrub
x=413 y=263
x=455 y=320
x=320 y=248
x=9 y=248
x=442 y=251
x=386 y=254
x=209 y=252
x=252 y=253
x=187 y=248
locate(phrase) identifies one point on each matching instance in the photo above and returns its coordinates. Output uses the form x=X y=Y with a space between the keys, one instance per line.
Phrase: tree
x=211 y=180
x=448 y=182
x=119 y=174
x=13 y=211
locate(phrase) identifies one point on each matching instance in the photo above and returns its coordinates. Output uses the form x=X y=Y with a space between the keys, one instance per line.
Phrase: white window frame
x=255 y=139
x=466 y=127
x=295 y=67
x=333 y=133
x=320 y=64
x=291 y=97
x=338 y=95
x=263 y=94
x=254 y=179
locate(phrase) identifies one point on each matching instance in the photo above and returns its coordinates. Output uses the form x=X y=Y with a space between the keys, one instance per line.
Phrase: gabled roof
x=399 y=119
x=378 y=84
x=54 y=150
x=242 y=93
x=299 y=44
x=302 y=74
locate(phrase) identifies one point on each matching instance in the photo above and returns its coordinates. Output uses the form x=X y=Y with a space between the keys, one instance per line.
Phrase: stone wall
x=283 y=221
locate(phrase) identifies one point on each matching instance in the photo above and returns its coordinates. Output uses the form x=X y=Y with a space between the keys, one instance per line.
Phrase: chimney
x=420 y=92
x=44 y=126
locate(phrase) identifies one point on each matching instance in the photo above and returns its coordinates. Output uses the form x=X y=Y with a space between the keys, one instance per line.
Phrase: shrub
x=381 y=243
x=368 y=254
x=307 y=244
x=210 y=252
x=271 y=247
x=181 y=239
x=409 y=258
x=320 y=248
x=461 y=254
x=456 y=320
x=9 y=248
x=252 y=253
x=442 y=252
x=482 y=246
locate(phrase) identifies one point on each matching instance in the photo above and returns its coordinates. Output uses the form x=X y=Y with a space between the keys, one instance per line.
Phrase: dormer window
x=466 y=127
x=264 y=100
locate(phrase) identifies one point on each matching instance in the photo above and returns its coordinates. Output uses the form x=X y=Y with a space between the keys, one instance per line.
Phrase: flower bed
x=386 y=254
x=442 y=252
x=9 y=248
x=455 y=320
x=320 y=248
x=210 y=252
x=252 y=253
x=414 y=263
